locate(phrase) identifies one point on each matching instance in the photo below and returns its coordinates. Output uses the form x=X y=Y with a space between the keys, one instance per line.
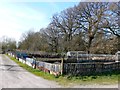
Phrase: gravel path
x=13 y=76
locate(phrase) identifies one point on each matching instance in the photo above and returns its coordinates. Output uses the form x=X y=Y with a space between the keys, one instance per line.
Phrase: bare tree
x=65 y=22
x=89 y=19
x=112 y=21
x=52 y=36
x=8 y=43
x=31 y=41
x=86 y=26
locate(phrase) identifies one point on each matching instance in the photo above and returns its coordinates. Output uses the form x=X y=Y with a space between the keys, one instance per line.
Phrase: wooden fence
x=98 y=64
x=89 y=68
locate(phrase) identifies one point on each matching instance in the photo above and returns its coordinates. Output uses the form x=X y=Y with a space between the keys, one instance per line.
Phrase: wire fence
x=89 y=68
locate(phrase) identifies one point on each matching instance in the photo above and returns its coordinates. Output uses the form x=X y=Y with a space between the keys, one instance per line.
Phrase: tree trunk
x=118 y=43
x=89 y=43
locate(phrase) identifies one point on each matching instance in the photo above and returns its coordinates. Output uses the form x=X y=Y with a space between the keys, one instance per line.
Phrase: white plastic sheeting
x=29 y=61
x=49 y=66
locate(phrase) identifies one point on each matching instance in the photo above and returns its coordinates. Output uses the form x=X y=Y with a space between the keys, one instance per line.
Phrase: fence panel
x=49 y=67
x=89 y=68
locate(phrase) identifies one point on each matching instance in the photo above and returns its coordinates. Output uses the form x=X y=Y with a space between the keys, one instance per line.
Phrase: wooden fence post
x=62 y=65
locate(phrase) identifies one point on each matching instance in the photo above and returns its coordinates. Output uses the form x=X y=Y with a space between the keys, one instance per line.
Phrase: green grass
x=34 y=71
x=65 y=80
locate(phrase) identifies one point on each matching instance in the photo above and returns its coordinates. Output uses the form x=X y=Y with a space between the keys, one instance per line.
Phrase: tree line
x=89 y=26
x=7 y=44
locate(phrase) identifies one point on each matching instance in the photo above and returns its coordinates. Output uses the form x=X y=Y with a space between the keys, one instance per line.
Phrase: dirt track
x=13 y=76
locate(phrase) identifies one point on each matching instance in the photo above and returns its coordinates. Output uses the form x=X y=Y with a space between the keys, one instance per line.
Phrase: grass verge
x=65 y=80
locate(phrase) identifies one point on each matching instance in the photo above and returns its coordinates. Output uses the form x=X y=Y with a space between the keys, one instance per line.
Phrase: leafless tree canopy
x=88 y=26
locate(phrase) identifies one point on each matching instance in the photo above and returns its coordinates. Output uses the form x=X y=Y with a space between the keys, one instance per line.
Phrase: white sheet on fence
x=29 y=61
x=52 y=67
x=49 y=66
x=21 y=60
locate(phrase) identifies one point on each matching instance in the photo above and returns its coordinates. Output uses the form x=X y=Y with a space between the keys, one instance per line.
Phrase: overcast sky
x=18 y=17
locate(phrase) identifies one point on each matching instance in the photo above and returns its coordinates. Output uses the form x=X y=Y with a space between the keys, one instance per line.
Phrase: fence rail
x=89 y=68
x=93 y=57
